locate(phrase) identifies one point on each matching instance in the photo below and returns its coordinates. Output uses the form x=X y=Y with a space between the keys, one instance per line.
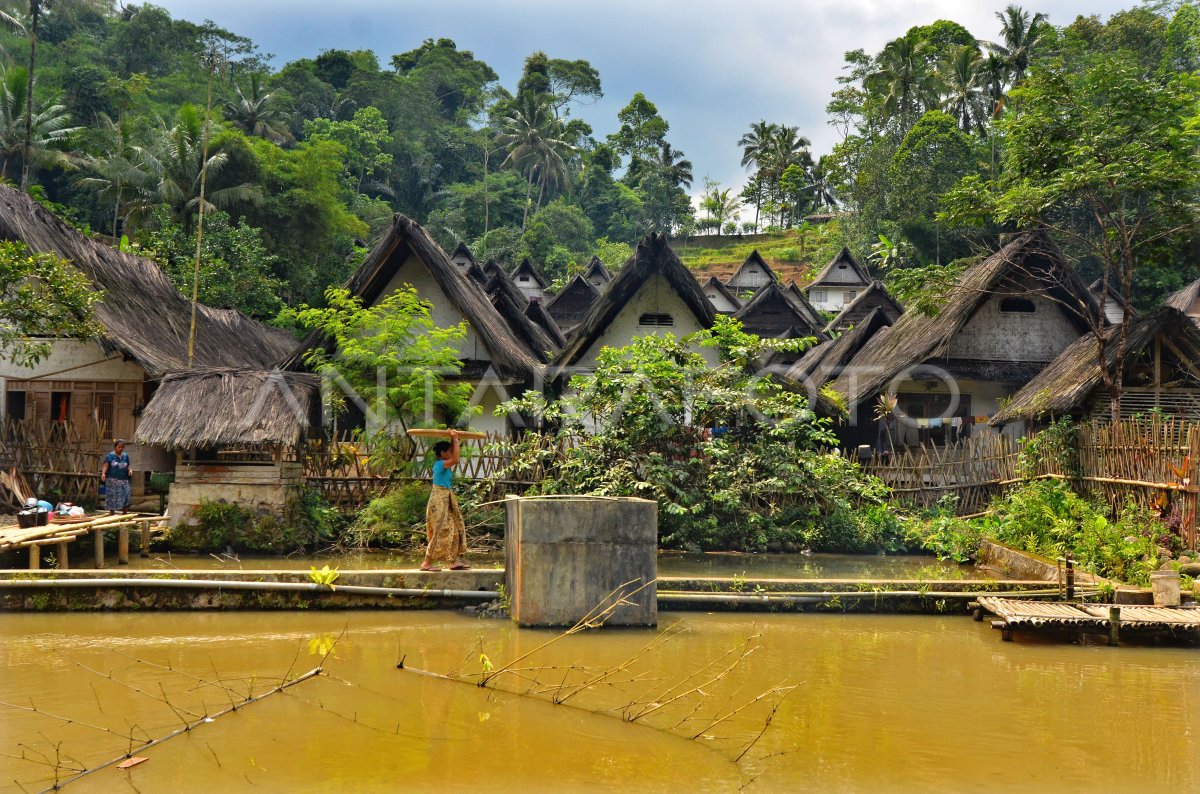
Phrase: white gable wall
x=719 y=301
x=414 y=273
x=655 y=297
x=993 y=335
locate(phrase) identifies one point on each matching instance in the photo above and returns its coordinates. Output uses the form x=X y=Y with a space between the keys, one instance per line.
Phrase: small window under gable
x=656 y=320
x=524 y=279
x=1017 y=306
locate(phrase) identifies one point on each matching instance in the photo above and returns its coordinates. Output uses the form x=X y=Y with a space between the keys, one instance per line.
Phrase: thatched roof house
x=144 y=318
x=572 y=303
x=873 y=297
x=838 y=283
x=597 y=274
x=800 y=301
x=724 y=301
x=462 y=256
x=537 y=314
x=824 y=362
x=1162 y=371
x=771 y=313
x=529 y=279
x=754 y=274
x=1035 y=304
x=408 y=255
x=512 y=306
x=653 y=293
x=210 y=408
x=1186 y=300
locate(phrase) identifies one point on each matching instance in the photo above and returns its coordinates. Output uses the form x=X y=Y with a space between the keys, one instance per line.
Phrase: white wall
x=414 y=273
x=72 y=359
x=658 y=297
x=719 y=301
x=832 y=298
x=993 y=335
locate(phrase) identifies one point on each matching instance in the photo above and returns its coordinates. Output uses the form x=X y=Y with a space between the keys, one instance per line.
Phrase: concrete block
x=563 y=555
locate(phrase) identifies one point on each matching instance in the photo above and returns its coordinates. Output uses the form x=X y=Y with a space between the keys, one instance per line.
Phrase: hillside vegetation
x=795 y=254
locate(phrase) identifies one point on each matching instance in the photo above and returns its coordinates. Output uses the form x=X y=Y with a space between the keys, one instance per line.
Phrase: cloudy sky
x=711 y=66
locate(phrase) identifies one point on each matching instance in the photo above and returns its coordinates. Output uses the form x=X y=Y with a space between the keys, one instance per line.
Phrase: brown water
x=797 y=566
x=883 y=703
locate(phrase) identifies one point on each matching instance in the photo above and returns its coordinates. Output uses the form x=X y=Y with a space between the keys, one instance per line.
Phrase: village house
x=597 y=274
x=1187 y=300
x=463 y=258
x=572 y=303
x=874 y=297
x=771 y=312
x=529 y=279
x=1007 y=317
x=822 y=363
x=800 y=301
x=753 y=274
x=723 y=301
x=838 y=283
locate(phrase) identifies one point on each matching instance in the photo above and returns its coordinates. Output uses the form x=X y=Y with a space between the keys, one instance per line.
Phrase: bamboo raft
x=1018 y=615
x=61 y=533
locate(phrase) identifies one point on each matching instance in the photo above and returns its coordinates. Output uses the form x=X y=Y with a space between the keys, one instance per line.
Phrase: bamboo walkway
x=60 y=535
x=1041 y=617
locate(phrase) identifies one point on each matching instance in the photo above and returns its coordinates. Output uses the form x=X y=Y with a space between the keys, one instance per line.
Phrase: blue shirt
x=442 y=474
x=118 y=466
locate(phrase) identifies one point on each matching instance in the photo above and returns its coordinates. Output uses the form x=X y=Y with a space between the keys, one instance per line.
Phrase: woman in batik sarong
x=116 y=476
x=443 y=520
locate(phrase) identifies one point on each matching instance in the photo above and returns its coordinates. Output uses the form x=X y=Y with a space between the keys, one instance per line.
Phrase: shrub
x=395 y=519
x=220 y=525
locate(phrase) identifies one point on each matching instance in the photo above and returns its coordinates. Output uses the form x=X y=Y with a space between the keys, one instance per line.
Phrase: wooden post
x=144 y=538
x=35 y=557
x=98 y=534
x=1114 y=626
x=63 y=564
x=1070 y=577
x=123 y=545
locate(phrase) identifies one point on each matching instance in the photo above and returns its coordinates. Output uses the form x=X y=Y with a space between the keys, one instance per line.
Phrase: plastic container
x=1165 y=585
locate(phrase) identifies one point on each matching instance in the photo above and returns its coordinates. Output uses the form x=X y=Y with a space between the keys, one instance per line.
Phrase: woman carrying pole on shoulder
x=443 y=520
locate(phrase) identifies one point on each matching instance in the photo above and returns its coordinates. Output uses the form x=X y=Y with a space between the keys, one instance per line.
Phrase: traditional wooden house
x=753 y=275
x=771 y=313
x=237 y=435
x=798 y=299
x=572 y=303
x=513 y=307
x=1187 y=300
x=494 y=358
x=597 y=274
x=463 y=258
x=724 y=301
x=529 y=279
x=875 y=296
x=1007 y=317
x=1114 y=308
x=144 y=327
x=1161 y=372
x=824 y=362
x=838 y=283
x=652 y=294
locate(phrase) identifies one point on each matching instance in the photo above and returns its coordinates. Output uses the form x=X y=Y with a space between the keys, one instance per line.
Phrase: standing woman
x=116 y=478
x=443 y=520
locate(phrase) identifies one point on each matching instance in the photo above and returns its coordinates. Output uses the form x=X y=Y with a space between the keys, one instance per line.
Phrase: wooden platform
x=64 y=533
x=1018 y=615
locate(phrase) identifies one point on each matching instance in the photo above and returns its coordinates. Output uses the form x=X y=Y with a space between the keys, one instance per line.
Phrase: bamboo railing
x=57 y=460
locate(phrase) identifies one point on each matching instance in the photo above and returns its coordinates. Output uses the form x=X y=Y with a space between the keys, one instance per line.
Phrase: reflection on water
x=799 y=566
x=884 y=703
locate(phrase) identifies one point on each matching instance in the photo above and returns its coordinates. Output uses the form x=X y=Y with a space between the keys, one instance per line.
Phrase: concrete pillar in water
x=563 y=555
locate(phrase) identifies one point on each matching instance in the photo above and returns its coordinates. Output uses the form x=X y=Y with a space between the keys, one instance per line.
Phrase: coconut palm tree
x=532 y=137
x=675 y=168
x=720 y=206
x=755 y=145
x=822 y=189
x=36 y=139
x=175 y=161
x=966 y=88
x=1020 y=36
x=118 y=172
x=903 y=80
x=254 y=115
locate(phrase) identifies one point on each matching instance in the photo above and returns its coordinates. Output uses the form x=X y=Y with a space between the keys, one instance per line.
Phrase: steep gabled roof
x=916 y=336
x=572 y=303
x=1185 y=299
x=842 y=270
x=491 y=268
x=653 y=257
x=873 y=297
x=536 y=313
x=824 y=362
x=476 y=274
x=143 y=316
x=752 y=274
x=800 y=301
x=715 y=284
x=462 y=256
x=771 y=312
x=1067 y=382
x=512 y=304
x=526 y=267
x=407 y=239
x=597 y=272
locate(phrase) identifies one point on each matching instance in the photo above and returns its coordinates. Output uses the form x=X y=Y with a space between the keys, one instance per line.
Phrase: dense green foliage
x=306 y=524
x=41 y=297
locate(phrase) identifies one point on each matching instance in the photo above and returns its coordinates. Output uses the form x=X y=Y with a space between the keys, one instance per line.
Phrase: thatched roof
x=462 y=256
x=572 y=303
x=526 y=267
x=1065 y=384
x=823 y=363
x=800 y=301
x=596 y=273
x=653 y=257
x=536 y=313
x=714 y=285
x=407 y=239
x=143 y=316
x=771 y=312
x=512 y=305
x=1185 y=299
x=753 y=274
x=916 y=337
x=231 y=407
x=842 y=270
x=873 y=297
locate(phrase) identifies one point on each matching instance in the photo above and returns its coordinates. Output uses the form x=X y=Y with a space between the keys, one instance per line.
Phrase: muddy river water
x=881 y=703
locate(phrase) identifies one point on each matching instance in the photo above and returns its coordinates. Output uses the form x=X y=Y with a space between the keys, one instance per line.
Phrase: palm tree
x=822 y=190
x=1021 y=35
x=119 y=173
x=253 y=114
x=675 y=168
x=755 y=145
x=175 y=163
x=992 y=74
x=531 y=135
x=904 y=80
x=720 y=206
x=787 y=147
x=965 y=83
x=35 y=138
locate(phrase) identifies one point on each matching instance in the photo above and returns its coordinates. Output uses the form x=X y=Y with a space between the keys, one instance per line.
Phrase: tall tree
x=1020 y=35
x=904 y=81
x=966 y=87
x=254 y=113
x=27 y=139
x=531 y=135
x=755 y=152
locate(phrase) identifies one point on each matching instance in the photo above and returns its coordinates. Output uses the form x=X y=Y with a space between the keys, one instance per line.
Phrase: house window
x=848 y=297
x=14 y=405
x=104 y=414
x=656 y=320
x=1017 y=306
x=818 y=296
x=60 y=406
x=524 y=279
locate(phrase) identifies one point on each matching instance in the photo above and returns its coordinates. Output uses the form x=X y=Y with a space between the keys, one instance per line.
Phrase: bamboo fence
x=57 y=460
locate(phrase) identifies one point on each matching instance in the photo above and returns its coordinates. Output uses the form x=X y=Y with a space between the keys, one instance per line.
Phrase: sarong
x=444 y=527
x=116 y=494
